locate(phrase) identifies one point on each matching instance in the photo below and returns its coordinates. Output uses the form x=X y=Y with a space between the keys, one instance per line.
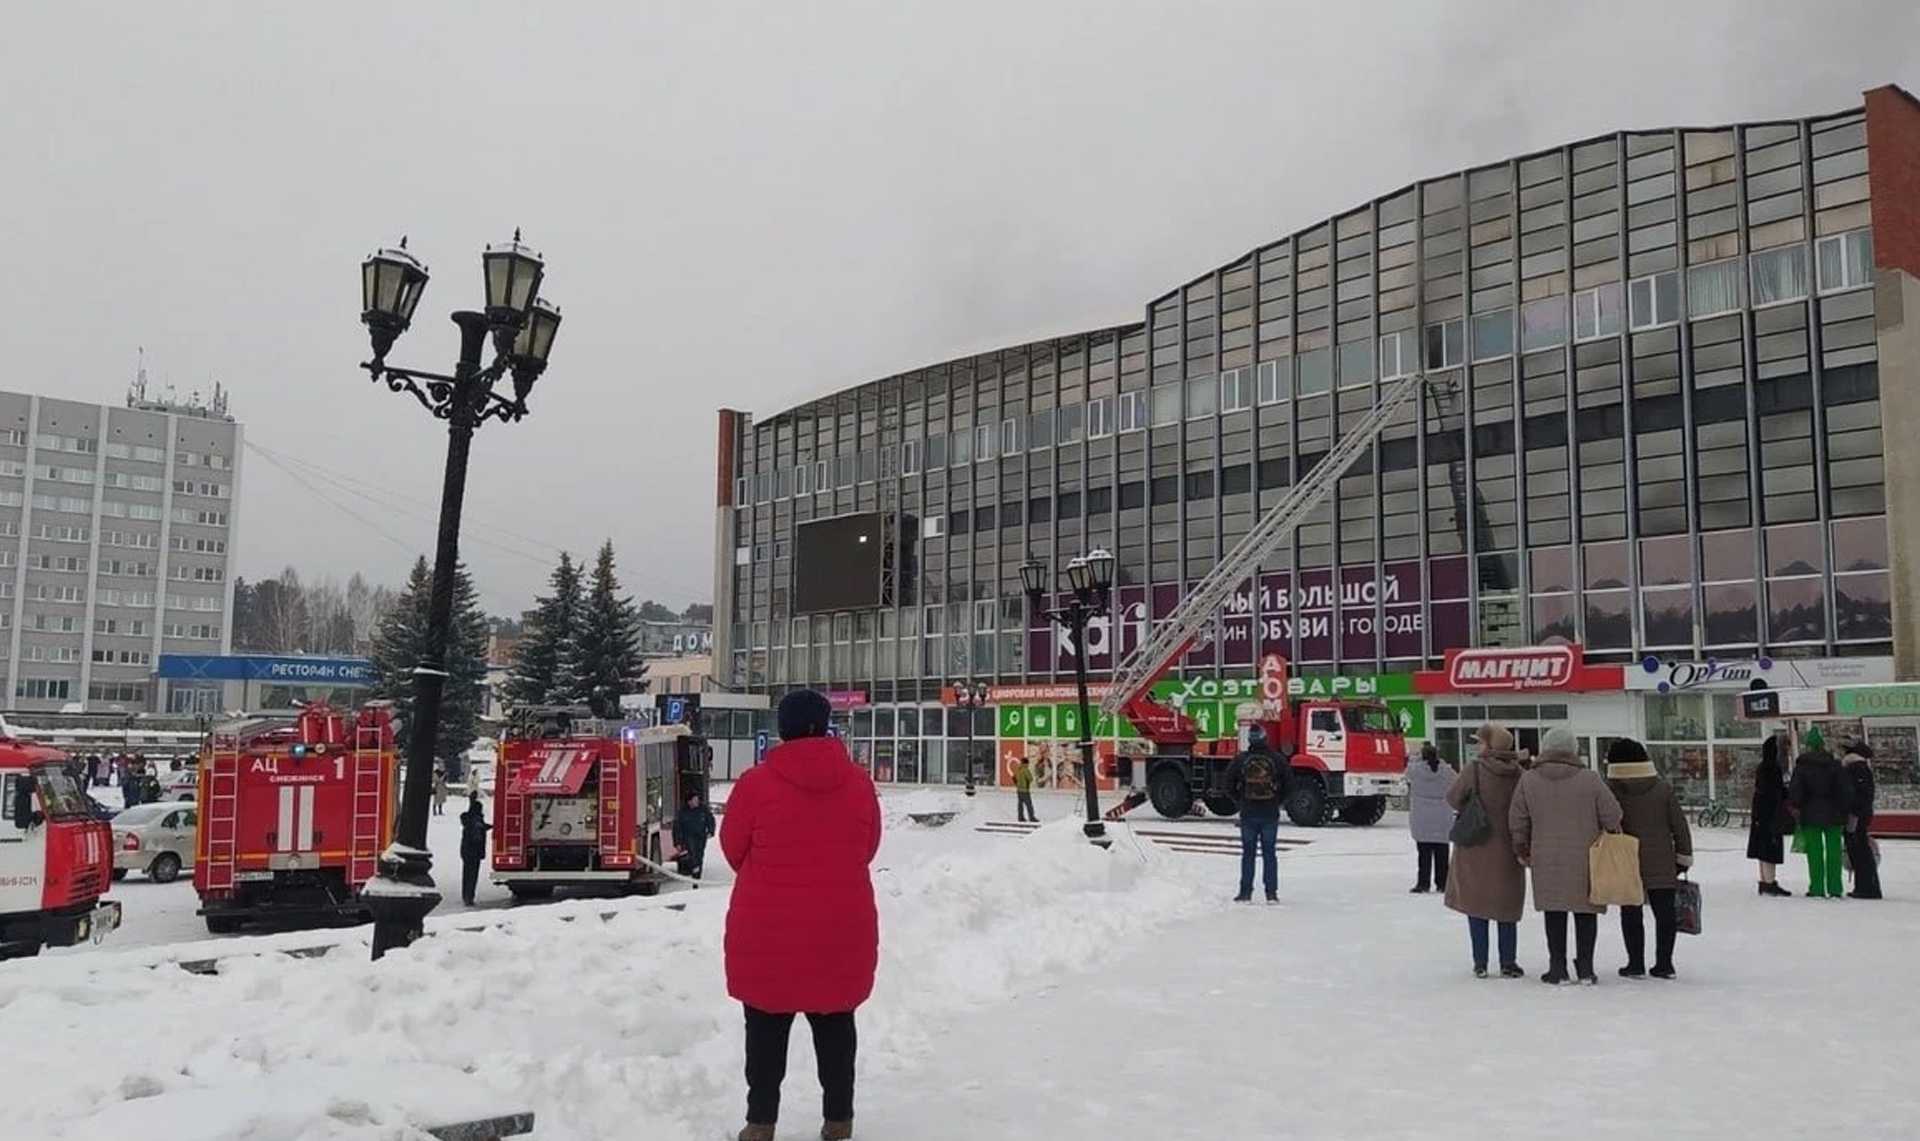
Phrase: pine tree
x=546 y=665
x=400 y=642
x=609 y=662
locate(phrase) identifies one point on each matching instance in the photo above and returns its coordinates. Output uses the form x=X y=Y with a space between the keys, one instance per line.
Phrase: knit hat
x=1813 y=740
x=1627 y=759
x=804 y=713
x=1497 y=738
x=1559 y=745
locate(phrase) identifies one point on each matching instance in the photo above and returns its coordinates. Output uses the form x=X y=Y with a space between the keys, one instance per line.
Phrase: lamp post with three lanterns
x=522 y=325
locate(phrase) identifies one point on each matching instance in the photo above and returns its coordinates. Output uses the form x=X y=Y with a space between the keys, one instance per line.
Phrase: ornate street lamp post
x=1091 y=577
x=522 y=325
x=969 y=696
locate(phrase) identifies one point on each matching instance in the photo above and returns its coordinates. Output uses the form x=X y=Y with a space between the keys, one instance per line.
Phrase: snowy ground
x=1030 y=988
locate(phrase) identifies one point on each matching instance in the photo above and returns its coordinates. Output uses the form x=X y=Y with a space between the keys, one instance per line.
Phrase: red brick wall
x=723 y=494
x=1893 y=177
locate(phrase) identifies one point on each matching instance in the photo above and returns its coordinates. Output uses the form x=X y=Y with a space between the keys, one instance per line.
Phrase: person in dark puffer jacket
x=1650 y=813
x=1822 y=797
x=803 y=935
x=1858 y=765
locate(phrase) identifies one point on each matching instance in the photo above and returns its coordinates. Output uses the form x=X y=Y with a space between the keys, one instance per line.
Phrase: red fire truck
x=581 y=803
x=294 y=815
x=56 y=856
x=1346 y=757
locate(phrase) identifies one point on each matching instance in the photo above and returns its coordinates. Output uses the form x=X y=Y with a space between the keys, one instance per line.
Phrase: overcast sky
x=740 y=204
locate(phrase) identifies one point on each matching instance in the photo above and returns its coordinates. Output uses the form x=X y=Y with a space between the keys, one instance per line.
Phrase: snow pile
x=603 y=1029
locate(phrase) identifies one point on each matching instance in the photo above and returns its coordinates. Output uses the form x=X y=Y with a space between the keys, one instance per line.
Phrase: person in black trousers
x=1866 y=871
x=473 y=848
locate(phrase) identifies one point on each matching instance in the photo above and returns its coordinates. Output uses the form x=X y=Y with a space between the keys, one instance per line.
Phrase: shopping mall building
x=1667 y=364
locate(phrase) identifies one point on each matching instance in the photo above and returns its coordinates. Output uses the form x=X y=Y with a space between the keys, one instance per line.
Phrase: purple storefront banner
x=1381 y=614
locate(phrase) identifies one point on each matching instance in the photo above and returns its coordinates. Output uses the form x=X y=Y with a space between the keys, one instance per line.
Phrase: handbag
x=1471 y=828
x=1613 y=871
x=1799 y=840
x=1686 y=906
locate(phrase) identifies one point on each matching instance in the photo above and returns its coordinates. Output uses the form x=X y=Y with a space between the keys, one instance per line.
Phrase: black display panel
x=837 y=563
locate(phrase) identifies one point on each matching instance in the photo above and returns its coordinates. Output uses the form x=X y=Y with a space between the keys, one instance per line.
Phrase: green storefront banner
x=1214 y=705
x=1877 y=701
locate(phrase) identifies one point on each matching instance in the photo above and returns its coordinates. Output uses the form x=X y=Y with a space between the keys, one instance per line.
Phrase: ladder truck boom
x=1161 y=649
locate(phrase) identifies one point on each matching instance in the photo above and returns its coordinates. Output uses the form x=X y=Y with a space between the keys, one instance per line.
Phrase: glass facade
x=1662 y=437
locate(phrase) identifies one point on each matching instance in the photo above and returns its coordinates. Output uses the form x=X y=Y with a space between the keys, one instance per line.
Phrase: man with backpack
x=1256 y=780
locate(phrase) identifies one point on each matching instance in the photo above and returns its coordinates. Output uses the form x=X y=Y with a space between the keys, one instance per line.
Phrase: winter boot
x=1583 y=970
x=1512 y=971
x=836 y=1130
x=1556 y=974
x=757 y=1133
x=1243 y=898
x=1662 y=971
x=1479 y=972
x=1774 y=889
x=1633 y=971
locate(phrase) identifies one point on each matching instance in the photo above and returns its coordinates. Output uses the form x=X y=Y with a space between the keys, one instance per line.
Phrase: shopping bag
x=1686 y=907
x=1800 y=840
x=1613 y=871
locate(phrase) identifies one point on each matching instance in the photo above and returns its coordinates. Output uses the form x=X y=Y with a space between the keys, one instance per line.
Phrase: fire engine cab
x=293 y=816
x=583 y=803
x=55 y=855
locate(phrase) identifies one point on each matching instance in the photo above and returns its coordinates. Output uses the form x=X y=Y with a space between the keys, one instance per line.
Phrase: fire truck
x=583 y=803
x=1344 y=758
x=294 y=815
x=56 y=856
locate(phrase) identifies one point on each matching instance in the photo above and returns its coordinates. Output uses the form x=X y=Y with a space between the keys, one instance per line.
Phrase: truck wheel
x=222 y=924
x=119 y=874
x=164 y=869
x=1363 y=811
x=1306 y=801
x=1220 y=804
x=1169 y=792
x=526 y=891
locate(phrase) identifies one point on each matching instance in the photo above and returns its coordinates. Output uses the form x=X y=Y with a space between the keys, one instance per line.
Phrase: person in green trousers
x=1821 y=795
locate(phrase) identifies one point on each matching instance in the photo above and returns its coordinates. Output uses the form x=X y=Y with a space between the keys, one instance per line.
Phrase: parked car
x=157 y=839
x=179 y=784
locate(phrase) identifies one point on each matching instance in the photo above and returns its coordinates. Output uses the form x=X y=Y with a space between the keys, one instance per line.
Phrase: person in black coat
x=1866 y=871
x=1771 y=819
x=473 y=848
x=692 y=824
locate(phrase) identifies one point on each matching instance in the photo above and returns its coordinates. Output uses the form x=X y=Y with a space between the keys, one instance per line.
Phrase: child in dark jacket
x=1650 y=813
x=692 y=824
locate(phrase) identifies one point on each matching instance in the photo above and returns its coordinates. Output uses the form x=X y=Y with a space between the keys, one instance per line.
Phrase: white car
x=156 y=838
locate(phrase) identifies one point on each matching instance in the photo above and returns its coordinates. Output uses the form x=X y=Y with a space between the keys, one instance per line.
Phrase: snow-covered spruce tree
x=399 y=644
x=609 y=662
x=545 y=664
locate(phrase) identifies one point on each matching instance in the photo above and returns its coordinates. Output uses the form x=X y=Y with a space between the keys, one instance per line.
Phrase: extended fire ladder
x=1170 y=637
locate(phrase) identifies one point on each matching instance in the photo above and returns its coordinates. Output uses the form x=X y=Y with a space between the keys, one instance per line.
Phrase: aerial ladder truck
x=1344 y=757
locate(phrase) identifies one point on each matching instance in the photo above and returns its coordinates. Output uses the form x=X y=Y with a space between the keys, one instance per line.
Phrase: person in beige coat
x=1558 y=811
x=1485 y=882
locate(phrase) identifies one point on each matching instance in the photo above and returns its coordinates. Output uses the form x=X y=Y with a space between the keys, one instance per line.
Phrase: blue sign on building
x=760 y=743
x=263 y=667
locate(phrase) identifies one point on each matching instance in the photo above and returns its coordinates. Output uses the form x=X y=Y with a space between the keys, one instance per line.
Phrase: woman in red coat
x=803 y=936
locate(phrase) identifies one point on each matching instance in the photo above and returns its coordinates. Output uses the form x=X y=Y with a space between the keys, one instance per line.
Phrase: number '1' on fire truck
x=582 y=803
x=55 y=855
x=294 y=815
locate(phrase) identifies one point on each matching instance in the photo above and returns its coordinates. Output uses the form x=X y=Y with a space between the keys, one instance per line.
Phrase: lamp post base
x=400 y=897
x=1096 y=833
